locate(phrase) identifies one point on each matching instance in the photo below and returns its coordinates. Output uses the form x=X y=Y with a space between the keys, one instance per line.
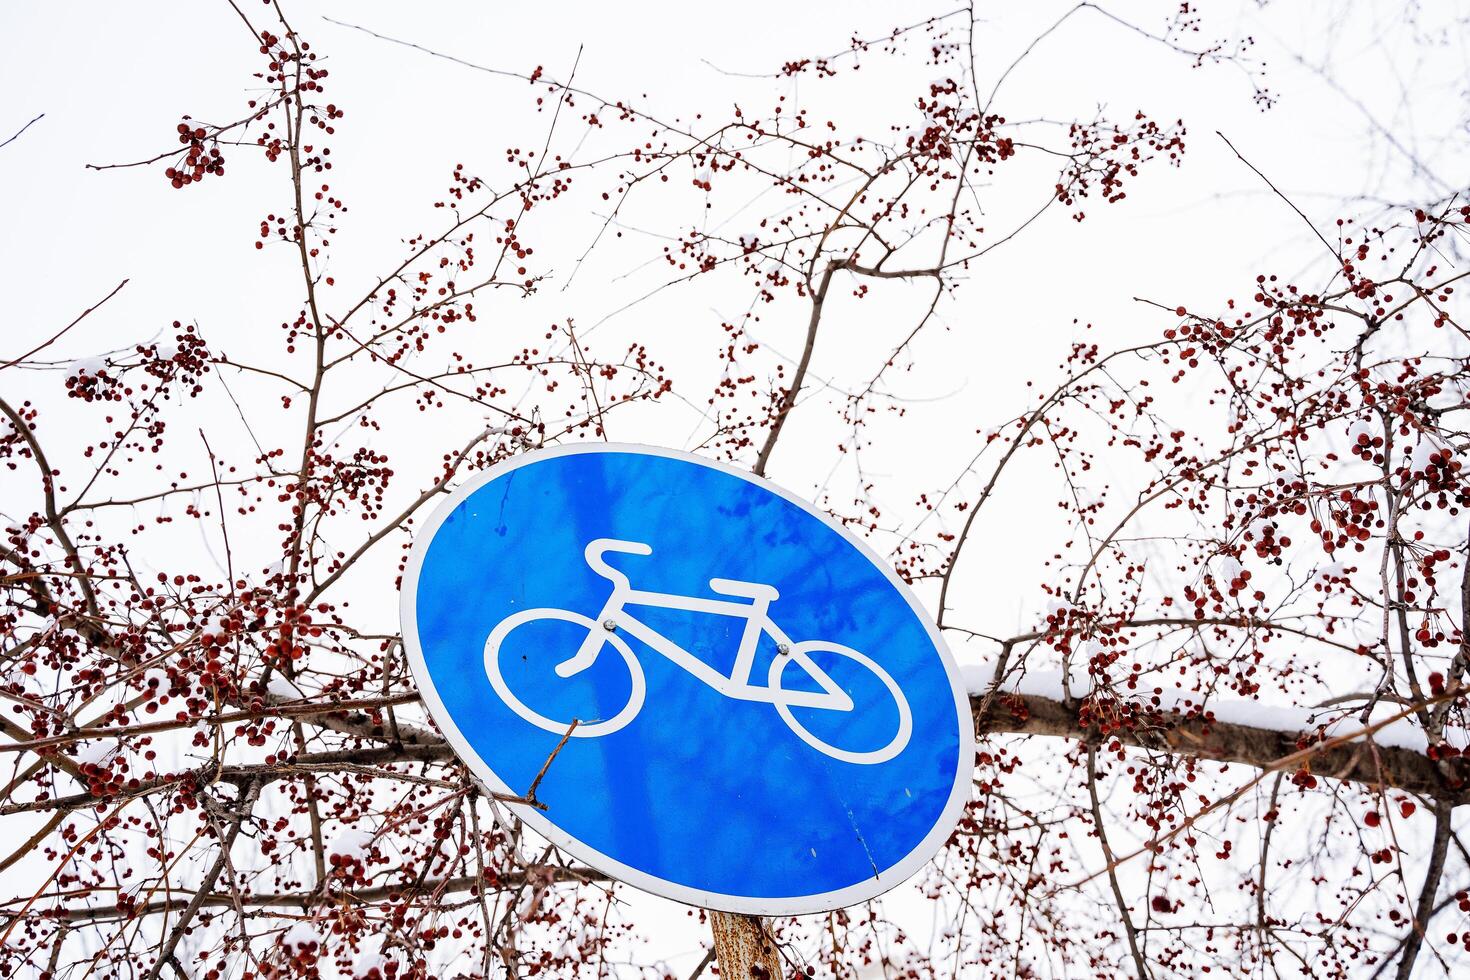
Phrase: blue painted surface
x=700 y=789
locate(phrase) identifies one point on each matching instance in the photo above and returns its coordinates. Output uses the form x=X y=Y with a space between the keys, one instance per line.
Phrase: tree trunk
x=743 y=947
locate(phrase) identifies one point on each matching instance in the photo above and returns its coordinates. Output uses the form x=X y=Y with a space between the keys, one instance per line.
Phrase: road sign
x=767 y=721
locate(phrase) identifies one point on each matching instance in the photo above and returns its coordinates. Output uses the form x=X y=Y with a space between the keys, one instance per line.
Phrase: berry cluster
x=198 y=160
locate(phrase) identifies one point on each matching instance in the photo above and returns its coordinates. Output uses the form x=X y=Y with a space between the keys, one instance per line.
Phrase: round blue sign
x=762 y=717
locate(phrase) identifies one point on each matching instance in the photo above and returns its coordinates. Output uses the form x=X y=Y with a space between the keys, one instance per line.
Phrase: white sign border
x=854 y=894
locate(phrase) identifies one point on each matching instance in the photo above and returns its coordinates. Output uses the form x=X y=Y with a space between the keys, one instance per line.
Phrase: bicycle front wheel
x=586 y=727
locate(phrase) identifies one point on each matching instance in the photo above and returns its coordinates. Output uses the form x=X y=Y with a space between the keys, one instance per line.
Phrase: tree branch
x=284 y=900
x=1395 y=768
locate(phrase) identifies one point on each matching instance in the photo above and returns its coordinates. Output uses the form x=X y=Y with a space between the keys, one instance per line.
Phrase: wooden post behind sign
x=744 y=948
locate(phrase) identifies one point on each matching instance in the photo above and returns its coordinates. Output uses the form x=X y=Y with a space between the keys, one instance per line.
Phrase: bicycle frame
x=757 y=622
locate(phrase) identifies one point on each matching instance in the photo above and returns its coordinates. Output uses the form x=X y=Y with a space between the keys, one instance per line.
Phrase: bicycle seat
x=744 y=590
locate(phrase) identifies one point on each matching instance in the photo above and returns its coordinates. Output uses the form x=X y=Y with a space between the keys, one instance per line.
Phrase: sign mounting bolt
x=609 y=625
x=782 y=649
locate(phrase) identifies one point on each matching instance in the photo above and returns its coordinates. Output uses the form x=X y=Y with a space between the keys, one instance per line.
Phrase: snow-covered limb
x=1391 y=757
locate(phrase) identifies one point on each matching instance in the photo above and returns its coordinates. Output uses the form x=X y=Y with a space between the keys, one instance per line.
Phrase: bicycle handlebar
x=598 y=547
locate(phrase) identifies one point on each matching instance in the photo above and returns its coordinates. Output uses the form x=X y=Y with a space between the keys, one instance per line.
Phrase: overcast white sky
x=113 y=79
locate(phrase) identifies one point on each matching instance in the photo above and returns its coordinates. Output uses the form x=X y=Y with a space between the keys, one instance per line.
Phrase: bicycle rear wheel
x=801 y=652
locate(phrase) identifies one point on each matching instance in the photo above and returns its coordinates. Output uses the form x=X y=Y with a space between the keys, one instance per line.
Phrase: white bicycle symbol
x=614 y=616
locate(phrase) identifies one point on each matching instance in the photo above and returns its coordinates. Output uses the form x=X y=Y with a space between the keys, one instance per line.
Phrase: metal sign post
x=750 y=712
